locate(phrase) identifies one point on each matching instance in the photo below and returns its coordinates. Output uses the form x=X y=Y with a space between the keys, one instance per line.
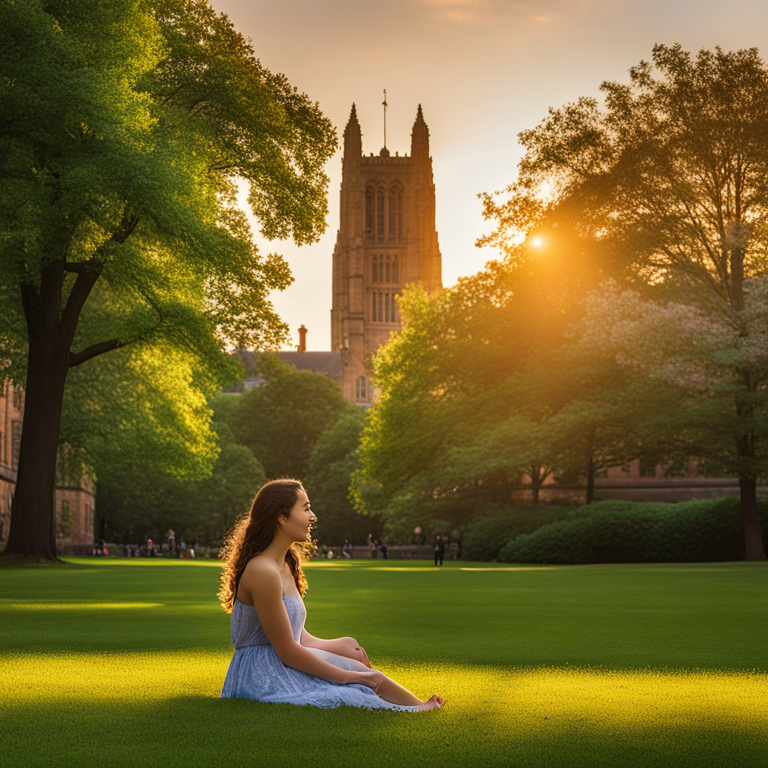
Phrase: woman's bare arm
x=261 y=582
x=341 y=646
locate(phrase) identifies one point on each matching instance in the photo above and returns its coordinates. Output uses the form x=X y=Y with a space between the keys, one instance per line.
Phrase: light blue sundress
x=257 y=673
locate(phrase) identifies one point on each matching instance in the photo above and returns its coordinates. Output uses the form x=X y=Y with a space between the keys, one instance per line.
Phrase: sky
x=483 y=70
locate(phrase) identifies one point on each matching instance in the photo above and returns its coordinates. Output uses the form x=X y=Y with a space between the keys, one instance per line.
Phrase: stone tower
x=386 y=239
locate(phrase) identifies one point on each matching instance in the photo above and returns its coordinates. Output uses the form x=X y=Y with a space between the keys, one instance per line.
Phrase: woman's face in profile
x=300 y=519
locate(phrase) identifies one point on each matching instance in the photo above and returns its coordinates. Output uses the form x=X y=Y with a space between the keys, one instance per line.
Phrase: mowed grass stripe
x=592 y=666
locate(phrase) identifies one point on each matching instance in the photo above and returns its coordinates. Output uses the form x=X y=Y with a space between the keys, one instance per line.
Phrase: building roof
x=328 y=363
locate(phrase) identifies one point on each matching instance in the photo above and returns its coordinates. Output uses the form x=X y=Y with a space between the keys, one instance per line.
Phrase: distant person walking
x=439 y=548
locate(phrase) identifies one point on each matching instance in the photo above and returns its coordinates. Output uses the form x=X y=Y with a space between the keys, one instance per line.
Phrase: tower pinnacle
x=420 y=137
x=352 y=125
x=353 y=142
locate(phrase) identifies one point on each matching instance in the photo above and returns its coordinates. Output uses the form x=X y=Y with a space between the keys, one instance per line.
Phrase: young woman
x=276 y=659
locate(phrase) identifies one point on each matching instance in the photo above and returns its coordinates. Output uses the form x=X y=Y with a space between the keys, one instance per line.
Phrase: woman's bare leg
x=394 y=693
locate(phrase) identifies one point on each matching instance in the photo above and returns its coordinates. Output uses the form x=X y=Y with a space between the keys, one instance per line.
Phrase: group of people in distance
x=276 y=660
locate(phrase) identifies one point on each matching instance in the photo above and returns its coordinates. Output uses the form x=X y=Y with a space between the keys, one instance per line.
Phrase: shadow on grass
x=204 y=731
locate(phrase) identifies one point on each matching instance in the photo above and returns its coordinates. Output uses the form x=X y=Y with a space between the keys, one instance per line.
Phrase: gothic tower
x=386 y=239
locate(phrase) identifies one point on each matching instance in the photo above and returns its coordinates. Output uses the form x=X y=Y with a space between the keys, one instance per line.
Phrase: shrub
x=490 y=530
x=632 y=532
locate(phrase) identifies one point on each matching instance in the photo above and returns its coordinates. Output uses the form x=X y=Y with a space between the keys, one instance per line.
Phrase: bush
x=632 y=532
x=487 y=534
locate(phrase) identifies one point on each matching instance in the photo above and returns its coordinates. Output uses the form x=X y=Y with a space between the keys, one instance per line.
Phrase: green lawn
x=119 y=663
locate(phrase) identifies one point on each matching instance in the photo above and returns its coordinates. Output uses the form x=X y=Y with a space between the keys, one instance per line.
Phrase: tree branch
x=77 y=358
x=80 y=267
x=128 y=224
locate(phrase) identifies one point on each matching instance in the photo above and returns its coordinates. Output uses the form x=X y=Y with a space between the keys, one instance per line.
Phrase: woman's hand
x=372 y=679
x=349 y=647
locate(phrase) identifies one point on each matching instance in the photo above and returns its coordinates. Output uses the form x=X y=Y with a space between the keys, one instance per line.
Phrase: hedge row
x=632 y=532
x=493 y=527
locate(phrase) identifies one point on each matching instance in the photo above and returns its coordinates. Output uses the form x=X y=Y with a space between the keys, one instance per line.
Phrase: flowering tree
x=667 y=182
x=704 y=358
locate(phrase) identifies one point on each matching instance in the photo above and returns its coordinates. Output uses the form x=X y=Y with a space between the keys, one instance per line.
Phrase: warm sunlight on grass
x=120 y=664
x=519 y=699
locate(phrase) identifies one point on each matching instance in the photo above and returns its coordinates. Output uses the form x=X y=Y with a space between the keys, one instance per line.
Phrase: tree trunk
x=745 y=450
x=536 y=473
x=753 y=537
x=50 y=332
x=33 y=519
x=590 y=480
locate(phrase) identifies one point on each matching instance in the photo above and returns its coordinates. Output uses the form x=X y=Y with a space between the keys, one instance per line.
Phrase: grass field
x=119 y=663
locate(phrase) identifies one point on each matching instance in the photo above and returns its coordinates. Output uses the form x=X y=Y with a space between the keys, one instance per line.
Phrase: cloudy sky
x=483 y=70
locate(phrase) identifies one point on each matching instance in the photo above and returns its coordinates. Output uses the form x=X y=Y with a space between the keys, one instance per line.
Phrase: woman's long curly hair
x=254 y=533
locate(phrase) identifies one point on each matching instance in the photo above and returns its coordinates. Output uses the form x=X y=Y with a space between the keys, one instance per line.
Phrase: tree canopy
x=282 y=420
x=332 y=463
x=126 y=129
x=139 y=502
x=666 y=184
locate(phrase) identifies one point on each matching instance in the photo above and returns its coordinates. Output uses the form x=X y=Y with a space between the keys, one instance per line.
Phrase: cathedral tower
x=386 y=239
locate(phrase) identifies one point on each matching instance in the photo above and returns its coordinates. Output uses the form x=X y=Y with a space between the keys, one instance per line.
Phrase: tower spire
x=420 y=138
x=385 y=105
x=353 y=144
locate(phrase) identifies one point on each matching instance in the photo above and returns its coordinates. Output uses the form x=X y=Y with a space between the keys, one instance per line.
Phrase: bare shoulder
x=261 y=579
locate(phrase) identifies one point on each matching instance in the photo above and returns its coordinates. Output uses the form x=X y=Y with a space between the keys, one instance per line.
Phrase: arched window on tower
x=362 y=390
x=395 y=214
x=384 y=307
x=380 y=215
x=369 y=214
x=394 y=269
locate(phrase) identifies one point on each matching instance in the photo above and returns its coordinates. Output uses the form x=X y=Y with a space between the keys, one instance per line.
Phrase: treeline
x=627 y=317
x=296 y=424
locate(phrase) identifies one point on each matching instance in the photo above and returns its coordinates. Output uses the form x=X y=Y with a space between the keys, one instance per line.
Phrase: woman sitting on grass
x=276 y=659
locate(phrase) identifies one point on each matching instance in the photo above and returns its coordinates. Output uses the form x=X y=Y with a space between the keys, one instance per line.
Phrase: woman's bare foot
x=433 y=702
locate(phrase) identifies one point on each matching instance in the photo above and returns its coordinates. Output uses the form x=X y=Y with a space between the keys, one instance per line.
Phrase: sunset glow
x=480 y=83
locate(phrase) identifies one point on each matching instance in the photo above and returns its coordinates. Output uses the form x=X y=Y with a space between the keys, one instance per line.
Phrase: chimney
x=302 y=338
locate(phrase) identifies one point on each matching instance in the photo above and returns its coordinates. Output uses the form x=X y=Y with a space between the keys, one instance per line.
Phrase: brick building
x=386 y=239
x=74 y=496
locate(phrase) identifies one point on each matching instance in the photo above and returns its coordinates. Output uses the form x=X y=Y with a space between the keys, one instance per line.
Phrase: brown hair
x=254 y=533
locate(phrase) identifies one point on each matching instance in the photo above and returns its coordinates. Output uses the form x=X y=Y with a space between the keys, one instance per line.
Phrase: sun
x=537 y=242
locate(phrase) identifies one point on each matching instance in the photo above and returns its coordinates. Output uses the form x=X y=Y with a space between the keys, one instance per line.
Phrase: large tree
x=333 y=461
x=282 y=420
x=139 y=501
x=668 y=181
x=485 y=387
x=125 y=129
